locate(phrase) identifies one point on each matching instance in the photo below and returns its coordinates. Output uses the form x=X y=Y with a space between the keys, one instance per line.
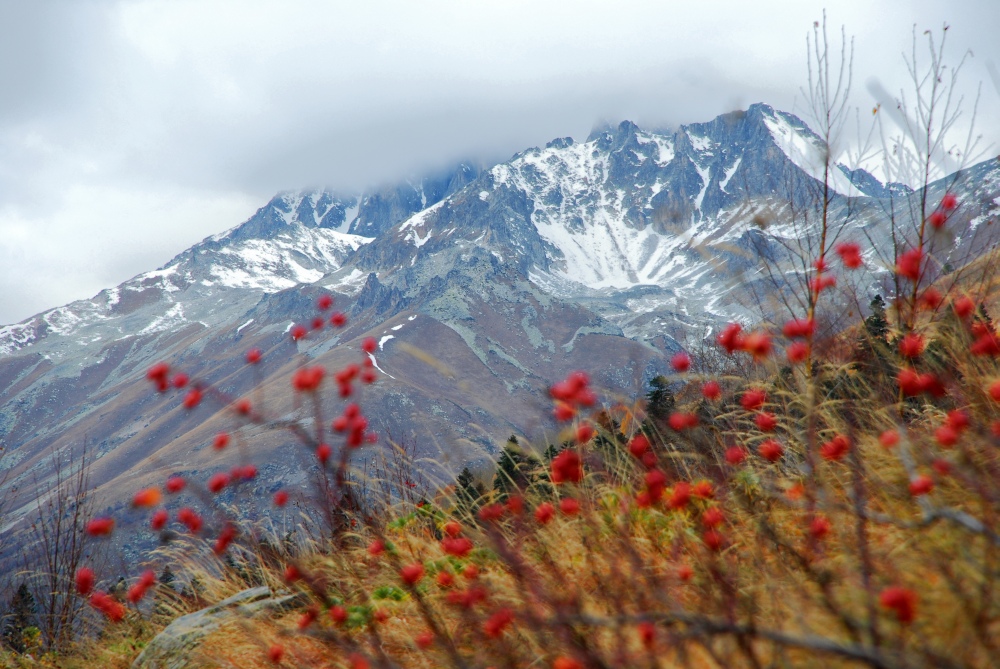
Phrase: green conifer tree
x=468 y=490
x=514 y=469
x=21 y=618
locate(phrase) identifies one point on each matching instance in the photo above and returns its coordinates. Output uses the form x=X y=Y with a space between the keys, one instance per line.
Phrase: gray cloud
x=130 y=130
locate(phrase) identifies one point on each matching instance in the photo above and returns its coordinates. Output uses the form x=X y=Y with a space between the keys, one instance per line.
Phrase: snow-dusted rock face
x=604 y=254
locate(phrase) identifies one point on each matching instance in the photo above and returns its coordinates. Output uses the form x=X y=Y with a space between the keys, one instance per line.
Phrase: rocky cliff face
x=481 y=286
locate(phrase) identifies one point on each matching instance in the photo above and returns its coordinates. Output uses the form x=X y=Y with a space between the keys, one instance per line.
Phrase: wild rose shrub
x=802 y=518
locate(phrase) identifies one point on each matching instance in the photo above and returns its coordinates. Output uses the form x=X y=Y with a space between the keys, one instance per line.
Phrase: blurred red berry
x=412 y=573
x=84 y=581
x=567 y=466
x=771 y=450
x=921 y=485
x=937 y=219
x=221 y=440
x=275 y=653
x=338 y=614
x=457 y=546
x=753 y=399
x=544 y=513
x=175 y=484
x=515 y=504
x=192 y=399
x=819 y=527
x=681 y=362
x=280 y=498
x=757 y=344
x=797 y=352
x=323 y=453
x=680 y=496
x=569 y=506
x=338 y=319
x=714 y=540
x=158 y=372
x=735 y=455
x=496 y=623
x=180 y=380
x=987 y=343
x=324 y=302
x=242 y=407
x=821 y=282
x=563 y=412
x=292 y=574
x=911 y=346
x=445 y=579
x=218 y=482
x=107 y=605
x=685 y=572
x=190 y=519
x=308 y=379
x=656 y=481
x=147 y=497
x=850 y=254
x=949 y=201
x=376 y=547
x=994 y=390
x=424 y=640
x=299 y=332
x=941 y=466
x=902 y=601
x=889 y=438
x=711 y=390
x=100 y=527
x=946 y=436
x=836 y=448
x=639 y=444
x=253 y=356
x=963 y=306
x=703 y=489
x=680 y=421
x=368 y=345
x=731 y=337
x=647 y=634
x=491 y=512
x=584 y=433
x=801 y=328
x=931 y=299
x=908 y=264
x=159 y=520
x=766 y=422
x=712 y=517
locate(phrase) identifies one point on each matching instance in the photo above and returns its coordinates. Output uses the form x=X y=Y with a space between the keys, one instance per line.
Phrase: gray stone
x=172 y=648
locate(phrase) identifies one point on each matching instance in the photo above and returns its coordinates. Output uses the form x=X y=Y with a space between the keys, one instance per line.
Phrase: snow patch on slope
x=807 y=152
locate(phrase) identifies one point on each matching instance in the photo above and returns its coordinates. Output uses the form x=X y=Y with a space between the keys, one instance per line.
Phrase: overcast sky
x=131 y=130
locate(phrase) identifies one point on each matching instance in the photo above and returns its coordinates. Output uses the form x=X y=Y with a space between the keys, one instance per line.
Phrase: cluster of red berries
x=571 y=395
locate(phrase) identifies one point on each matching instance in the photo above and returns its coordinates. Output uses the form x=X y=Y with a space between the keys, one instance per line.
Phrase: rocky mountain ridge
x=607 y=254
